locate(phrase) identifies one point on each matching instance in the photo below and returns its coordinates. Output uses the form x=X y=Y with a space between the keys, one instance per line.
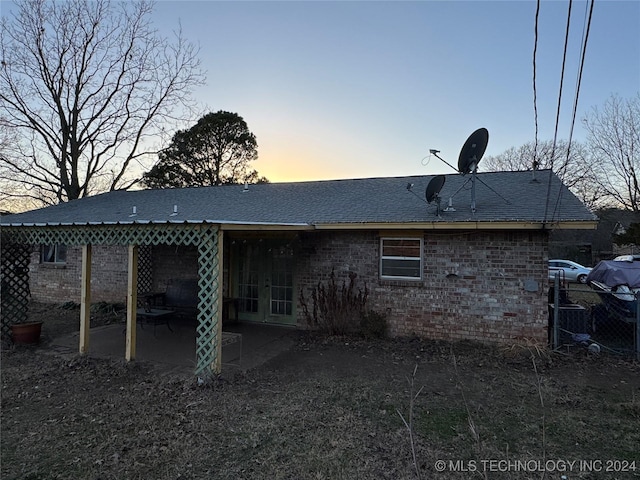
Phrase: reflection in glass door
x=265 y=281
x=248 y=279
x=282 y=284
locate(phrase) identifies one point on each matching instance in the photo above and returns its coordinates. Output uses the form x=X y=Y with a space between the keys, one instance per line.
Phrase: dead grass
x=327 y=409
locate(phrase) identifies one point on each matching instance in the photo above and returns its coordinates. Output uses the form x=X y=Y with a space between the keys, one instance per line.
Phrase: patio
x=173 y=351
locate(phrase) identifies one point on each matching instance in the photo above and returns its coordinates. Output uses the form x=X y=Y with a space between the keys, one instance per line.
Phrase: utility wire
x=555 y=134
x=564 y=61
x=585 y=39
x=579 y=79
x=535 y=93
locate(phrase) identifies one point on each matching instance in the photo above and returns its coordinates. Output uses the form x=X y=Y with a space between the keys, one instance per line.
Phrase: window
x=53 y=253
x=401 y=258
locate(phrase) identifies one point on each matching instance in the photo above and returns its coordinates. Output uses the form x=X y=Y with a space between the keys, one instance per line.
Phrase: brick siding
x=173 y=262
x=473 y=285
x=58 y=283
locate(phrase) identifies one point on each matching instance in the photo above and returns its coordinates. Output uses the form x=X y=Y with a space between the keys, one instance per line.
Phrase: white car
x=569 y=271
x=627 y=258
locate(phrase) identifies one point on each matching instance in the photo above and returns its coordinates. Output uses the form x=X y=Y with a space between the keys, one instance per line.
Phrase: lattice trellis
x=207 y=343
x=146 y=234
x=205 y=237
x=145 y=268
x=14 y=283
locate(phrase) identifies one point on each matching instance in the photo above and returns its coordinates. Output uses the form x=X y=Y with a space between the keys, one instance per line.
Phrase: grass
x=327 y=409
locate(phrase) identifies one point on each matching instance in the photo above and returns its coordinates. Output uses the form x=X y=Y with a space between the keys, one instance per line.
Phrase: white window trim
x=56 y=260
x=420 y=259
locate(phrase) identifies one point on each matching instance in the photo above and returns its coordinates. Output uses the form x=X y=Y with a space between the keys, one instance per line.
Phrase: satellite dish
x=434 y=187
x=473 y=150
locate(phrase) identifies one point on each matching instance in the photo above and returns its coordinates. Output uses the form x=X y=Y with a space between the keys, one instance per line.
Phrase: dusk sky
x=337 y=89
x=362 y=89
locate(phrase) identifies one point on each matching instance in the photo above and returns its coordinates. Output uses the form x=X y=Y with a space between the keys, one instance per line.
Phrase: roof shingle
x=500 y=197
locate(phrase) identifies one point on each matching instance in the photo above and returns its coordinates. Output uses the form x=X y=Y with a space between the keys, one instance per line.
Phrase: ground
x=330 y=408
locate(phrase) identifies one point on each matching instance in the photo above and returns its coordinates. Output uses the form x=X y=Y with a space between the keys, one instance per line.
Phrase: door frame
x=263 y=247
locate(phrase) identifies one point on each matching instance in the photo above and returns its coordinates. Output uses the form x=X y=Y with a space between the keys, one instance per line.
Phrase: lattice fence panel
x=145 y=269
x=207 y=341
x=14 y=283
x=205 y=237
x=109 y=234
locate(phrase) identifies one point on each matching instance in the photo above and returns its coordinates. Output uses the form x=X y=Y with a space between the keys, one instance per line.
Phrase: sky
x=351 y=89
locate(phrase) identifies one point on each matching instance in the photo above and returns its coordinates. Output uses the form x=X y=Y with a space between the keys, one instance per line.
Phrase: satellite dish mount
x=470 y=155
x=432 y=193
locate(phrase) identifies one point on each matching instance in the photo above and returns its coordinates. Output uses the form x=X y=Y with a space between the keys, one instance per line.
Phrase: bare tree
x=86 y=86
x=571 y=163
x=614 y=140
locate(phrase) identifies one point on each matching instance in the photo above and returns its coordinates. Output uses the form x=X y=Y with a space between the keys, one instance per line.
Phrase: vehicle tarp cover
x=613 y=273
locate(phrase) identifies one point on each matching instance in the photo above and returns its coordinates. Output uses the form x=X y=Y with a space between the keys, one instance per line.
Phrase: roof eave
x=466 y=225
x=263 y=226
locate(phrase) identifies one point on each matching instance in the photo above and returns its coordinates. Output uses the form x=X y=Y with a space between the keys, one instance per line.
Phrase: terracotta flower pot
x=26 y=333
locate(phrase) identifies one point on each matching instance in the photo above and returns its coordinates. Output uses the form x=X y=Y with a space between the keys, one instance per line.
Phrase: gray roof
x=500 y=197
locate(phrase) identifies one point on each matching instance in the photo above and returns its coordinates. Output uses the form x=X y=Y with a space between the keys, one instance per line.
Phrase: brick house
x=441 y=273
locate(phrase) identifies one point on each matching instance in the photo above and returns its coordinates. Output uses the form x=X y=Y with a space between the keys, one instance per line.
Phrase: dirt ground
x=330 y=408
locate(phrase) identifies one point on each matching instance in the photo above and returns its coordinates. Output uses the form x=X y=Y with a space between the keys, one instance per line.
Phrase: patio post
x=637 y=342
x=218 y=360
x=209 y=328
x=85 y=299
x=132 y=302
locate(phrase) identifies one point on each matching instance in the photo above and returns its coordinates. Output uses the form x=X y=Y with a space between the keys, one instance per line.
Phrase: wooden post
x=217 y=367
x=85 y=299
x=132 y=302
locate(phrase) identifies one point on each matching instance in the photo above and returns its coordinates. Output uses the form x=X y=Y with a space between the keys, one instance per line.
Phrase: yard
x=329 y=408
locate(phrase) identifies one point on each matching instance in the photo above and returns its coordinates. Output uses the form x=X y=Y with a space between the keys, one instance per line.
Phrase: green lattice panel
x=109 y=234
x=205 y=237
x=145 y=269
x=207 y=341
x=14 y=283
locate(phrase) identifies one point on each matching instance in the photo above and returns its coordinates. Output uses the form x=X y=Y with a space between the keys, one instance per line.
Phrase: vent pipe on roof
x=450 y=207
x=134 y=211
x=175 y=211
x=535 y=169
x=246 y=187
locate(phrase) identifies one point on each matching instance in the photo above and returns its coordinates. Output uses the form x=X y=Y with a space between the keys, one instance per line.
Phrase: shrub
x=336 y=310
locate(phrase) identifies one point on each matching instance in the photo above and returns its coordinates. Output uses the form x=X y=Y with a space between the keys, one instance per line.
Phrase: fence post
x=638 y=325
x=556 y=308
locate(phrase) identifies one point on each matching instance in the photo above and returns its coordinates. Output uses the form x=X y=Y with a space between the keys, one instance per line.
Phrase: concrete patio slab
x=173 y=351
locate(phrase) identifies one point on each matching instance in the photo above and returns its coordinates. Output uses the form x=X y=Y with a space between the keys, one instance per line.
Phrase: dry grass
x=327 y=409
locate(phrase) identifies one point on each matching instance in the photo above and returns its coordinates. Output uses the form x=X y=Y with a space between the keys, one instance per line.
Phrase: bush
x=337 y=310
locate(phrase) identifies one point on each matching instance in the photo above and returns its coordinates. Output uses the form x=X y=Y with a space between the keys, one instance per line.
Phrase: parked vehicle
x=569 y=271
x=617 y=282
x=627 y=258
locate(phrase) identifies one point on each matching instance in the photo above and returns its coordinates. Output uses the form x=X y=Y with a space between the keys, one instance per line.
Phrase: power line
x=585 y=39
x=564 y=61
x=535 y=93
x=555 y=134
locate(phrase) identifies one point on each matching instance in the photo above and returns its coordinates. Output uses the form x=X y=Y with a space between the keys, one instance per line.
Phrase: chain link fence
x=595 y=317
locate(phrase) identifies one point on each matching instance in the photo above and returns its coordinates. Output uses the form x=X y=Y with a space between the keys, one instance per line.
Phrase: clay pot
x=26 y=333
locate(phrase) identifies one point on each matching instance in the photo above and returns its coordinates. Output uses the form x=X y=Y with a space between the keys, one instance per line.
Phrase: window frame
x=57 y=247
x=419 y=259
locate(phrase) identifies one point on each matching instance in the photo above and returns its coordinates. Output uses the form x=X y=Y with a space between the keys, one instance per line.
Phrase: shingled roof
x=501 y=197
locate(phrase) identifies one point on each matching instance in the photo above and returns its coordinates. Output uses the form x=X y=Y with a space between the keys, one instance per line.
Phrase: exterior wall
x=473 y=284
x=58 y=283
x=173 y=262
